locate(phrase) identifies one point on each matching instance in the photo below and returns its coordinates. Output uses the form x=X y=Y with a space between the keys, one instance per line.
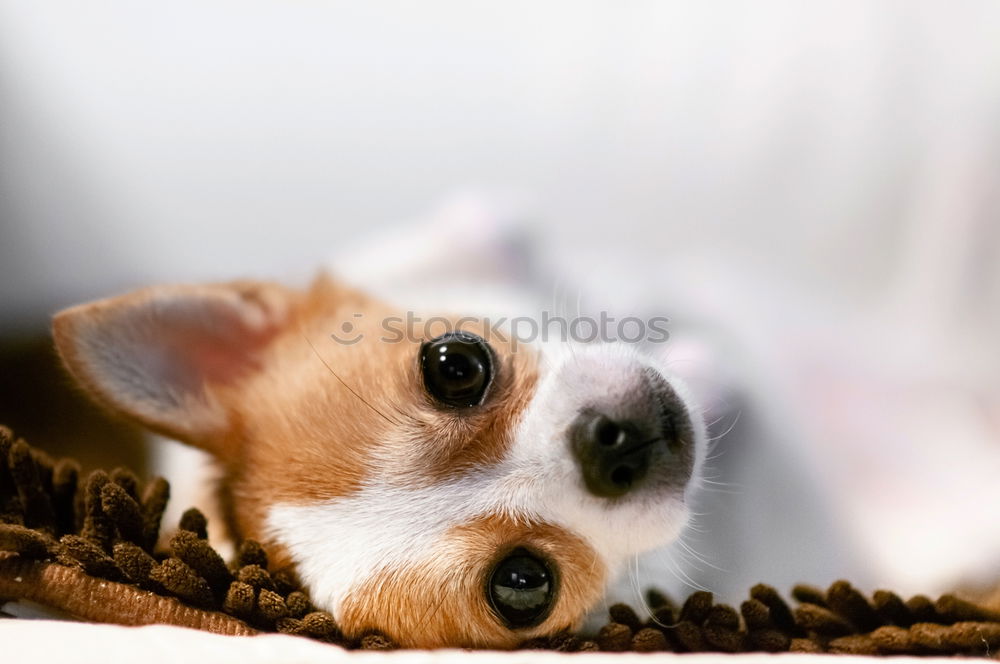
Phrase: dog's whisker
x=716 y=455
x=722 y=485
x=637 y=586
x=341 y=380
x=683 y=576
x=699 y=557
x=646 y=608
x=715 y=421
x=413 y=419
x=732 y=426
x=430 y=612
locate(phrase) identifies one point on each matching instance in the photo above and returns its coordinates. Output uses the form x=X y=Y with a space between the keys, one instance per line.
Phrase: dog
x=449 y=485
x=447 y=491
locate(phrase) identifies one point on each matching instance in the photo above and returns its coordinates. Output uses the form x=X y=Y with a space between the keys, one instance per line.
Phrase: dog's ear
x=162 y=355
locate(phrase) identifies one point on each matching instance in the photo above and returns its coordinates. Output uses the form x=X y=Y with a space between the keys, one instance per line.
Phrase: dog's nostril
x=622 y=476
x=609 y=433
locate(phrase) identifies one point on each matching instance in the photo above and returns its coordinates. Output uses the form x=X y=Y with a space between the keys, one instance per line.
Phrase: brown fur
x=443 y=603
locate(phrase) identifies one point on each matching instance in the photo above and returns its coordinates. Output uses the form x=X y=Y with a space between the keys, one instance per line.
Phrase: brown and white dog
x=455 y=490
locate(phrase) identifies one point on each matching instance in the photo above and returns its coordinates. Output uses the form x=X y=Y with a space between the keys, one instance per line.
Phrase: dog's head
x=448 y=491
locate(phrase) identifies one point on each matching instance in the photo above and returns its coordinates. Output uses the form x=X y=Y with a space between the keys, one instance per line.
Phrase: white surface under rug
x=56 y=641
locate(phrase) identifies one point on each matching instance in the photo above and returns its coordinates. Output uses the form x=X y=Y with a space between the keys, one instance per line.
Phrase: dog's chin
x=656 y=518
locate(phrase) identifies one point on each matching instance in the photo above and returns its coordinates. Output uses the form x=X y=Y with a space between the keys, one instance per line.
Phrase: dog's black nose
x=642 y=435
x=614 y=455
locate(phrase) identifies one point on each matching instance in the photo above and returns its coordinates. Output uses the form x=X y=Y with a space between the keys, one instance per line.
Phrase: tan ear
x=158 y=355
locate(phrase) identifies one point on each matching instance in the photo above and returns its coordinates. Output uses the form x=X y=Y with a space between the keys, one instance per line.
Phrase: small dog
x=454 y=490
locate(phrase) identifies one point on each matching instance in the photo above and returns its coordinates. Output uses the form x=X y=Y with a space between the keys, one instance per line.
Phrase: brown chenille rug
x=87 y=547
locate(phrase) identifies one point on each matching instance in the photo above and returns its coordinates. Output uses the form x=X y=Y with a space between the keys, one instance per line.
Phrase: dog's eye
x=521 y=590
x=457 y=368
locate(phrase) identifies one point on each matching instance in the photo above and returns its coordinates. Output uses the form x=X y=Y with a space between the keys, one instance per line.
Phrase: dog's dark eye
x=521 y=590
x=457 y=368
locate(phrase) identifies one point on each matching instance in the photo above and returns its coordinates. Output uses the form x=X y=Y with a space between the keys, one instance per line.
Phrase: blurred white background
x=813 y=184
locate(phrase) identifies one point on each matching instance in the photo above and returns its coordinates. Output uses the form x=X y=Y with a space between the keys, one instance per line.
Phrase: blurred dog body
x=775 y=506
